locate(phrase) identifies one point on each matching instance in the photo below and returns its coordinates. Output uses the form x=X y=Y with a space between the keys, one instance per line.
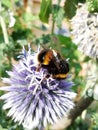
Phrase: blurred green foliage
x=70 y=7
x=23 y=32
x=92 y=5
x=45 y=10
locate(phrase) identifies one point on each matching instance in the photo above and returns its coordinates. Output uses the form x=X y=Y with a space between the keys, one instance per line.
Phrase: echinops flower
x=32 y=99
x=85 y=31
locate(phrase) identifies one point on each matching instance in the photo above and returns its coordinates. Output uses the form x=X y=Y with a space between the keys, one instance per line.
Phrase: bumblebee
x=54 y=63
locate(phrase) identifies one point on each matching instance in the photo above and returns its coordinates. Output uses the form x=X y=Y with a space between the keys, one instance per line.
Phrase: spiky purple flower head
x=32 y=99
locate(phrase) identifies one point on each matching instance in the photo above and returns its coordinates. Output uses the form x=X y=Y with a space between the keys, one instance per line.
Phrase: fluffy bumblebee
x=54 y=63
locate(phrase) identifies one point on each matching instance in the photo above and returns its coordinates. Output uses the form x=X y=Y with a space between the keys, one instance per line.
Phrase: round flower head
x=85 y=31
x=32 y=99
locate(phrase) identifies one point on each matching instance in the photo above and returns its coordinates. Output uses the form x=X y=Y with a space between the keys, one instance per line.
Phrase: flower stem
x=68 y=120
x=3 y=26
x=53 y=24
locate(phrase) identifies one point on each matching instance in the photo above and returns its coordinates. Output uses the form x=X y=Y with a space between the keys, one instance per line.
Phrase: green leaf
x=29 y=17
x=70 y=8
x=45 y=10
x=7 y=3
x=65 y=40
x=2 y=128
x=92 y=5
x=59 y=17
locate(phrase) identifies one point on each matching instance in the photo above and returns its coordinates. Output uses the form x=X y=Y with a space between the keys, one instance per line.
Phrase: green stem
x=53 y=24
x=3 y=26
x=53 y=19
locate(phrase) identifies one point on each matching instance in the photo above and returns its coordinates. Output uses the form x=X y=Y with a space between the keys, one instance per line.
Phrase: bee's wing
x=61 y=64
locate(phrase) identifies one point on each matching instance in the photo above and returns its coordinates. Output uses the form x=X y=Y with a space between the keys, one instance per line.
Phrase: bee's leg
x=47 y=76
x=38 y=68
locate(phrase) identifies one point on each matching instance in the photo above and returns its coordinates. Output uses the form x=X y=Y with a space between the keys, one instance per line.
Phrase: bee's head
x=45 y=56
x=41 y=55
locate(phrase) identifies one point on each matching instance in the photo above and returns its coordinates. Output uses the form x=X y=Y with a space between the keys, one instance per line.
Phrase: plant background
x=46 y=23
